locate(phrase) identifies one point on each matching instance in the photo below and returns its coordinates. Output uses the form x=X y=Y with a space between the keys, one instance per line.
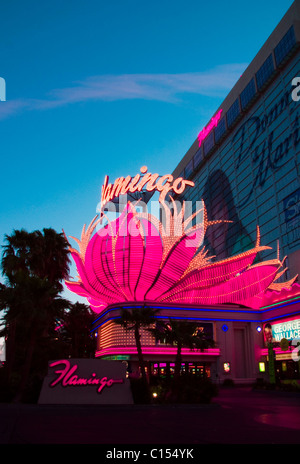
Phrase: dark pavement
x=236 y=416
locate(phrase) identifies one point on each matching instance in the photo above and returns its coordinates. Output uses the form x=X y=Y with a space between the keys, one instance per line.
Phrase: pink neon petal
x=96 y=275
x=129 y=249
x=215 y=273
x=97 y=306
x=176 y=263
x=77 y=288
x=243 y=287
x=123 y=262
x=152 y=256
x=87 y=284
x=98 y=253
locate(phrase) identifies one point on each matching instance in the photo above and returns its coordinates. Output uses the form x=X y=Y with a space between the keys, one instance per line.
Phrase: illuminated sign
x=86 y=381
x=288 y=330
x=67 y=377
x=117 y=264
x=262 y=367
x=147 y=181
x=211 y=125
x=226 y=367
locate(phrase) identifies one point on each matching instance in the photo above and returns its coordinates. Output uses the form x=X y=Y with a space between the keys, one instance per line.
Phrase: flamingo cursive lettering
x=67 y=377
x=139 y=182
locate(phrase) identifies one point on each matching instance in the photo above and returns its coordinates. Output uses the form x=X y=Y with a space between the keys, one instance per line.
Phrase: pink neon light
x=213 y=123
x=131 y=260
x=265 y=352
x=272 y=297
x=242 y=287
x=150 y=350
x=67 y=377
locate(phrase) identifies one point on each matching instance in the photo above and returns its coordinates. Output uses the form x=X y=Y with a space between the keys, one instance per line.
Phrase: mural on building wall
x=225 y=238
x=257 y=141
x=260 y=178
x=291 y=208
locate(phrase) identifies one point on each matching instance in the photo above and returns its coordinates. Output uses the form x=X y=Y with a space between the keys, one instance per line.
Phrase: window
x=188 y=169
x=265 y=72
x=220 y=129
x=182 y=175
x=198 y=157
x=248 y=94
x=285 y=46
x=208 y=143
x=233 y=113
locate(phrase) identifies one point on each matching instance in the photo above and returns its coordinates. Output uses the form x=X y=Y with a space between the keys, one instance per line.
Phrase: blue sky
x=105 y=87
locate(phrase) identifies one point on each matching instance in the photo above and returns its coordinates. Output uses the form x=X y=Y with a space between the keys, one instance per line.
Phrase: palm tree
x=42 y=254
x=134 y=319
x=76 y=325
x=182 y=334
x=34 y=265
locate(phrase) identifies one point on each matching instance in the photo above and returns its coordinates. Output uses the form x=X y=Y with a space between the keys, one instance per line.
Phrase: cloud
x=168 y=88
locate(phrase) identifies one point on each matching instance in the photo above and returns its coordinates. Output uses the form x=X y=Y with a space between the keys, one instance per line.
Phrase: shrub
x=290 y=385
x=228 y=383
x=186 y=389
x=140 y=391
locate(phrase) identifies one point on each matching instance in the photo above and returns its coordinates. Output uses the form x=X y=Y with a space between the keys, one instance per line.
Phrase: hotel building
x=247 y=170
x=245 y=165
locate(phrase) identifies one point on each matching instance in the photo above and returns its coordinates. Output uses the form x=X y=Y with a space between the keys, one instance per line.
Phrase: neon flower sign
x=135 y=259
x=212 y=124
x=148 y=181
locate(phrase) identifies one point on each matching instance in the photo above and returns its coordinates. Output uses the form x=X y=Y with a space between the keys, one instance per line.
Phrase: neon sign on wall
x=147 y=181
x=212 y=124
x=68 y=378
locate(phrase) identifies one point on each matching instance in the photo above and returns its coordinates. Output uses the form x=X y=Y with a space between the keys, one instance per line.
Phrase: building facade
x=241 y=350
x=246 y=164
x=247 y=168
x=244 y=293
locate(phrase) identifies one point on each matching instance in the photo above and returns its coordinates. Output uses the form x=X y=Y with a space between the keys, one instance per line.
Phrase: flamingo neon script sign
x=212 y=124
x=145 y=180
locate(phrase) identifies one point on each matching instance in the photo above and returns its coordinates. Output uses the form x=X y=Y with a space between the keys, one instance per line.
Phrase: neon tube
x=156 y=351
x=211 y=125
